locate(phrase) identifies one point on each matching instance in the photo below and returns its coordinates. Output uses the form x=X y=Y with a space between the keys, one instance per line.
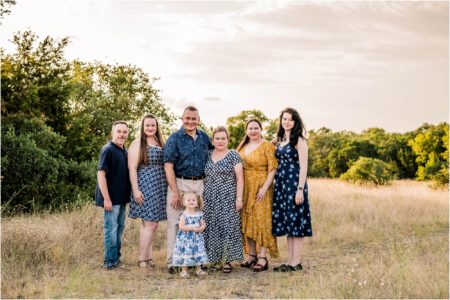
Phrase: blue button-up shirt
x=189 y=156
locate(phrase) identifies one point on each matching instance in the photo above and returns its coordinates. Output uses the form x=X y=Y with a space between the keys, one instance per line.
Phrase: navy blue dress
x=287 y=217
x=153 y=185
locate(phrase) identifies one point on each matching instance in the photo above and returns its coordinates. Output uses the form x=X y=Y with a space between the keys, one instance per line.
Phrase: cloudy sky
x=343 y=65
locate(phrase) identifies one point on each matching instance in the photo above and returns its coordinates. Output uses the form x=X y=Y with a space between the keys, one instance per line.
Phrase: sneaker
x=111 y=267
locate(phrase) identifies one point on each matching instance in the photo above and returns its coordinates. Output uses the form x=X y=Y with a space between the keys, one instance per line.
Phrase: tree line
x=57 y=114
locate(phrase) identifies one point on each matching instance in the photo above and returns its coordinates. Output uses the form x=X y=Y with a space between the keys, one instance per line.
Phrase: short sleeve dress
x=190 y=246
x=257 y=216
x=153 y=185
x=223 y=237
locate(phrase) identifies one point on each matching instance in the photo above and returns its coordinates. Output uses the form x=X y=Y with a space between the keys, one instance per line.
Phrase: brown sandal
x=227 y=268
x=259 y=267
x=251 y=263
x=150 y=262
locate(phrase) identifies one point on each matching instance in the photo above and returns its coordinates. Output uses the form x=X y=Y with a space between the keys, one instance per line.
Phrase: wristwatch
x=300 y=188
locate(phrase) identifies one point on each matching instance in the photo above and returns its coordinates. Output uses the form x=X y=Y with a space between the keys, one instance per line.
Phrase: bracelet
x=300 y=188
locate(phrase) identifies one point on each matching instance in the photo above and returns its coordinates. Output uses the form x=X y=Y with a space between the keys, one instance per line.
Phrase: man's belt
x=191 y=177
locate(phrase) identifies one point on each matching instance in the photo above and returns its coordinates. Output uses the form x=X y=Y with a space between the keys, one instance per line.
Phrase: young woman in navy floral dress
x=148 y=183
x=290 y=213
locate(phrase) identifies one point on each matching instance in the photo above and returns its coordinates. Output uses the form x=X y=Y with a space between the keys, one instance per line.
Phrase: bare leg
x=262 y=253
x=290 y=245
x=298 y=243
x=150 y=250
x=145 y=240
x=251 y=249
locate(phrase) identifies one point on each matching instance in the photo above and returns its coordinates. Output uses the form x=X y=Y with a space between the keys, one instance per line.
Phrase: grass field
x=387 y=242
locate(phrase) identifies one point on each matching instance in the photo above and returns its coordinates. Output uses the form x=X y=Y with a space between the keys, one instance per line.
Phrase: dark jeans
x=114 y=224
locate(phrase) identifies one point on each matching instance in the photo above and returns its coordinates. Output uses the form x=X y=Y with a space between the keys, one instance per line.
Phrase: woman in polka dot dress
x=224 y=185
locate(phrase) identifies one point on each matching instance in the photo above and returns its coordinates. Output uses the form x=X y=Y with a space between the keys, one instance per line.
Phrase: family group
x=218 y=203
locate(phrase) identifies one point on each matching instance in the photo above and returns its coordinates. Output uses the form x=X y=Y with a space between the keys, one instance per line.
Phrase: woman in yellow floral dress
x=260 y=164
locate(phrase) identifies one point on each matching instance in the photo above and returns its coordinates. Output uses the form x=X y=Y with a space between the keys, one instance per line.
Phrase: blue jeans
x=114 y=224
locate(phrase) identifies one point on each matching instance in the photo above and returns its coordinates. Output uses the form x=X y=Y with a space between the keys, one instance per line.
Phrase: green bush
x=369 y=171
x=35 y=177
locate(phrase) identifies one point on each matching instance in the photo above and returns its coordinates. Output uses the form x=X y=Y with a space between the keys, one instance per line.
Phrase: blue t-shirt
x=189 y=156
x=114 y=161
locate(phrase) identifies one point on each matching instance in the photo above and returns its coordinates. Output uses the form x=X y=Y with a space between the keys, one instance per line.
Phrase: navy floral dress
x=190 y=246
x=287 y=217
x=153 y=185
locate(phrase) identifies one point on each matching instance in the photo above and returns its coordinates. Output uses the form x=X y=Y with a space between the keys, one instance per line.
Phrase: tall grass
x=385 y=242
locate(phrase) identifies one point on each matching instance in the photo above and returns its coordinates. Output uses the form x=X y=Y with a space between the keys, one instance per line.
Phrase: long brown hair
x=246 y=139
x=143 y=156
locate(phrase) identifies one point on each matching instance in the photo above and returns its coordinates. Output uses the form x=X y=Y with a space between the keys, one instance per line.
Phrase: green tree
x=36 y=80
x=431 y=148
x=56 y=115
x=271 y=129
x=369 y=171
x=105 y=93
x=393 y=148
x=320 y=143
x=341 y=158
x=5 y=7
x=236 y=125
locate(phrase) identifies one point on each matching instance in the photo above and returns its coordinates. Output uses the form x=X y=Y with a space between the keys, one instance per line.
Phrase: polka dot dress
x=223 y=237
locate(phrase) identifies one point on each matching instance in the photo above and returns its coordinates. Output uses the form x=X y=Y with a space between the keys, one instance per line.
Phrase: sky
x=342 y=65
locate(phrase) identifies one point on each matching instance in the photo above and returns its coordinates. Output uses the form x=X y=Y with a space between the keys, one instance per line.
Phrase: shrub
x=369 y=170
x=35 y=177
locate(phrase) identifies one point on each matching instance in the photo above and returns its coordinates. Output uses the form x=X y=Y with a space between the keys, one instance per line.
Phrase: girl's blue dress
x=190 y=246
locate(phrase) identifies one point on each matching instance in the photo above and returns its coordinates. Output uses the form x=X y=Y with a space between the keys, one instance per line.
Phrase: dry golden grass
x=386 y=242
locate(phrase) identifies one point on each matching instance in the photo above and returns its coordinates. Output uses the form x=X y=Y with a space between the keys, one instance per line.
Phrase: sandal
x=214 y=268
x=259 y=267
x=142 y=263
x=281 y=268
x=201 y=273
x=250 y=263
x=184 y=274
x=150 y=262
x=227 y=268
x=298 y=267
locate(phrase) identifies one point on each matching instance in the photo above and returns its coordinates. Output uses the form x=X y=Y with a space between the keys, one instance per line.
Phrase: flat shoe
x=282 y=268
x=298 y=267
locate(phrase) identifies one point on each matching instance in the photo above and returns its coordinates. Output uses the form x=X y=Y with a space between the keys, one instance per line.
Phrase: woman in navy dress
x=290 y=213
x=224 y=186
x=148 y=183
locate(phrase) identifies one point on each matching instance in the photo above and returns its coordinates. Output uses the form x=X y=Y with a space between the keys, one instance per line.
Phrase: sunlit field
x=386 y=242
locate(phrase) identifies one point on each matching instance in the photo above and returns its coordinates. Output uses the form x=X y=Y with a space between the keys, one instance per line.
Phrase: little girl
x=190 y=245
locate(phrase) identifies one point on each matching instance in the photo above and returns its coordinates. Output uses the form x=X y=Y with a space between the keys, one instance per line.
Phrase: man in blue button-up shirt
x=185 y=155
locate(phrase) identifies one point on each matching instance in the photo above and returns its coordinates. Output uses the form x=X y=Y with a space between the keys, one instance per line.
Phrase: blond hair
x=198 y=197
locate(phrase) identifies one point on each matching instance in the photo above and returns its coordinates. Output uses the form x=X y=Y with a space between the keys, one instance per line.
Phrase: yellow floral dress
x=257 y=215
